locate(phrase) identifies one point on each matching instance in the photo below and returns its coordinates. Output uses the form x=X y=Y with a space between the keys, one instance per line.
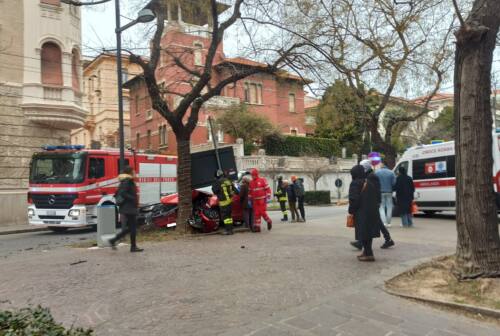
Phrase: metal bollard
x=106 y=224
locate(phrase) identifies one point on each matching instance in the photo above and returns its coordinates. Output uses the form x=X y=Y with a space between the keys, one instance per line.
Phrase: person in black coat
x=292 y=202
x=127 y=201
x=404 y=196
x=364 y=202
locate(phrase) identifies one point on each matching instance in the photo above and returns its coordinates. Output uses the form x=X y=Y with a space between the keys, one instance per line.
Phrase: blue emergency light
x=63 y=147
x=435 y=142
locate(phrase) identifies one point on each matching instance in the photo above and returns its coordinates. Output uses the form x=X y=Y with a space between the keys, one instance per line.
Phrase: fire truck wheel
x=58 y=229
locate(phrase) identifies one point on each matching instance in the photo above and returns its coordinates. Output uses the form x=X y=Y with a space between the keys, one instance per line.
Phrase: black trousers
x=129 y=225
x=248 y=217
x=301 y=206
x=385 y=232
x=367 y=247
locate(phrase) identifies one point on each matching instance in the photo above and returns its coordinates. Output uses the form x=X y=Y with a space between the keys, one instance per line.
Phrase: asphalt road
x=47 y=240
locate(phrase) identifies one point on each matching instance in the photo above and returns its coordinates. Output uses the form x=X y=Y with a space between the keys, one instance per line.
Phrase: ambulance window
x=127 y=163
x=96 y=168
x=402 y=164
x=450 y=162
x=432 y=168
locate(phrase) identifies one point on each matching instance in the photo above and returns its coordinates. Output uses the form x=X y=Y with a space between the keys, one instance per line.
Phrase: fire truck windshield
x=57 y=168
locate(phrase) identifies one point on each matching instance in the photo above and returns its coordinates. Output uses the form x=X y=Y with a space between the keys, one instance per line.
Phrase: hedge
x=37 y=322
x=317 y=197
x=278 y=145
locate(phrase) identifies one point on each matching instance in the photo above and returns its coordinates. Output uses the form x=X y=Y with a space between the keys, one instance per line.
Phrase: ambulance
x=68 y=183
x=432 y=168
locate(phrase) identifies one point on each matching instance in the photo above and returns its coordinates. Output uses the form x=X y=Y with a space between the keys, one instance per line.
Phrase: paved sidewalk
x=299 y=279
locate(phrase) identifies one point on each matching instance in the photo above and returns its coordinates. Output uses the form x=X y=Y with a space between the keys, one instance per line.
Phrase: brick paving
x=299 y=279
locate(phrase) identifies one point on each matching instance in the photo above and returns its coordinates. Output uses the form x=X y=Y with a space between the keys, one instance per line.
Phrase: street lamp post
x=144 y=15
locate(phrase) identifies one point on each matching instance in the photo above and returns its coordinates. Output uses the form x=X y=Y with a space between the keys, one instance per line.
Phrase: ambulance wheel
x=58 y=229
x=429 y=212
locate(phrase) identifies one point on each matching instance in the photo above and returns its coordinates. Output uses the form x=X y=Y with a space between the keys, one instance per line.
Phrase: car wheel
x=429 y=212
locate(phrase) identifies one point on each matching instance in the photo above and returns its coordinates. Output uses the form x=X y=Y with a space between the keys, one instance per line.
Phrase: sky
x=98 y=25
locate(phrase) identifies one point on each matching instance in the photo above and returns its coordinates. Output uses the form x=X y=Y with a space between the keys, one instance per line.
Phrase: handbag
x=350 y=221
x=414 y=208
x=350 y=218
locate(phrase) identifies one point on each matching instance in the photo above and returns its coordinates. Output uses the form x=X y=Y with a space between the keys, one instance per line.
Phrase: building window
x=219 y=134
x=136 y=105
x=293 y=132
x=149 y=114
x=162 y=130
x=124 y=75
x=137 y=140
x=291 y=102
x=198 y=54
x=253 y=93
x=51 y=64
x=148 y=138
x=75 y=69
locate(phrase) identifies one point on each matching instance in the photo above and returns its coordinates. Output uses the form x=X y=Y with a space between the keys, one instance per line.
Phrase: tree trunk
x=386 y=149
x=478 y=244
x=184 y=183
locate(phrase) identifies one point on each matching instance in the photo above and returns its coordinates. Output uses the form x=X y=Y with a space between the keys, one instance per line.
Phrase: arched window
x=75 y=70
x=51 y=64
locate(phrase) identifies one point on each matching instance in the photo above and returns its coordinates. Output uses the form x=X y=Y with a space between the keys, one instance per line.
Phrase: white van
x=432 y=168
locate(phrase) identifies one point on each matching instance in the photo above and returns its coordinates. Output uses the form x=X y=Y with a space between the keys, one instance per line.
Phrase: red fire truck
x=67 y=183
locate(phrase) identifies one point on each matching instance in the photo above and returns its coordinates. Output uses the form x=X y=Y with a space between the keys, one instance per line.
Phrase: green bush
x=36 y=322
x=317 y=197
x=276 y=144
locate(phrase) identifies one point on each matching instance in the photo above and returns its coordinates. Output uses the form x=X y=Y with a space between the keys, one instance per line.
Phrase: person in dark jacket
x=404 y=196
x=364 y=202
x=245 y=202
x=280 y=194
x=224 y=189
x=292 y=202
x=299 y=191
x=388 y=242
x=127 y=201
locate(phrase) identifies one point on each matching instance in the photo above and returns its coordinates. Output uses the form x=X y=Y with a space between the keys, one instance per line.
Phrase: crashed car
x=205 y=216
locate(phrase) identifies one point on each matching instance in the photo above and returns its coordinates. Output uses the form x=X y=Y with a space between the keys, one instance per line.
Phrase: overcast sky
x=98 y=25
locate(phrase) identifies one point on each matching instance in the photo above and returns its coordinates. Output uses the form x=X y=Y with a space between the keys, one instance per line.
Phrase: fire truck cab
x=67 y=183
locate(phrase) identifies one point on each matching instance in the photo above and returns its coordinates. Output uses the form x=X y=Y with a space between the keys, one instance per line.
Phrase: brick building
x=278 y=97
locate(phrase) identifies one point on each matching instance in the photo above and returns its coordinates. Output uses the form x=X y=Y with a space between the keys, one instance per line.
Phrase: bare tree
x=183 y=119
x=315 y=169
x=377 y=46
x=478 y=245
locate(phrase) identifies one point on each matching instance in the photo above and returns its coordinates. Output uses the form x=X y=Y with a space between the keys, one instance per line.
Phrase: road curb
x=463 y=307
x=16 y=231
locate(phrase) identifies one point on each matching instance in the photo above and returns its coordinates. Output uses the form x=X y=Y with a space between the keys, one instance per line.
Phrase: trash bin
x=106 y=226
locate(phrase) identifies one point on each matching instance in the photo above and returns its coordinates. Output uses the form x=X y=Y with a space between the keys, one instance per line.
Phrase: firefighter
x=259 y=194
x=281 y=196
x=224 y=189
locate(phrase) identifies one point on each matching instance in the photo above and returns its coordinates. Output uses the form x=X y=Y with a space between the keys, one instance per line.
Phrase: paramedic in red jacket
x=259 y=193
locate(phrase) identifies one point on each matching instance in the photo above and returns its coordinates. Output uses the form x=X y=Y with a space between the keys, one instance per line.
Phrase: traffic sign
x=338 y=183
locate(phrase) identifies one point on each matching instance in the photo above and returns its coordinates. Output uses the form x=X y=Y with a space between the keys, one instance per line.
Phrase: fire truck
x=68 y=183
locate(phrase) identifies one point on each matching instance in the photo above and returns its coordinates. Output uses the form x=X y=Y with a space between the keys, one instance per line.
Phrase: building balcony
x=53 y=106
x=221 y=102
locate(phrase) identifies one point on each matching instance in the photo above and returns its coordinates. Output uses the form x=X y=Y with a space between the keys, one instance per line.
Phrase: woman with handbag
x=404 y=196
x=364 y=202
x=127 y=201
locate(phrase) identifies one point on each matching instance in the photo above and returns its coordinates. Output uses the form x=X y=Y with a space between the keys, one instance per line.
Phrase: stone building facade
x=100 y=100
x=40 y=95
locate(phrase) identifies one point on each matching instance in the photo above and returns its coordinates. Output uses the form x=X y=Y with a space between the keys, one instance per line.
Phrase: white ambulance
x=432 y=168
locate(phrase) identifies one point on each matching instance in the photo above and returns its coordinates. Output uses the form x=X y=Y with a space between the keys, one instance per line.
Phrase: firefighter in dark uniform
x=280 y=194
x=224 y=189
